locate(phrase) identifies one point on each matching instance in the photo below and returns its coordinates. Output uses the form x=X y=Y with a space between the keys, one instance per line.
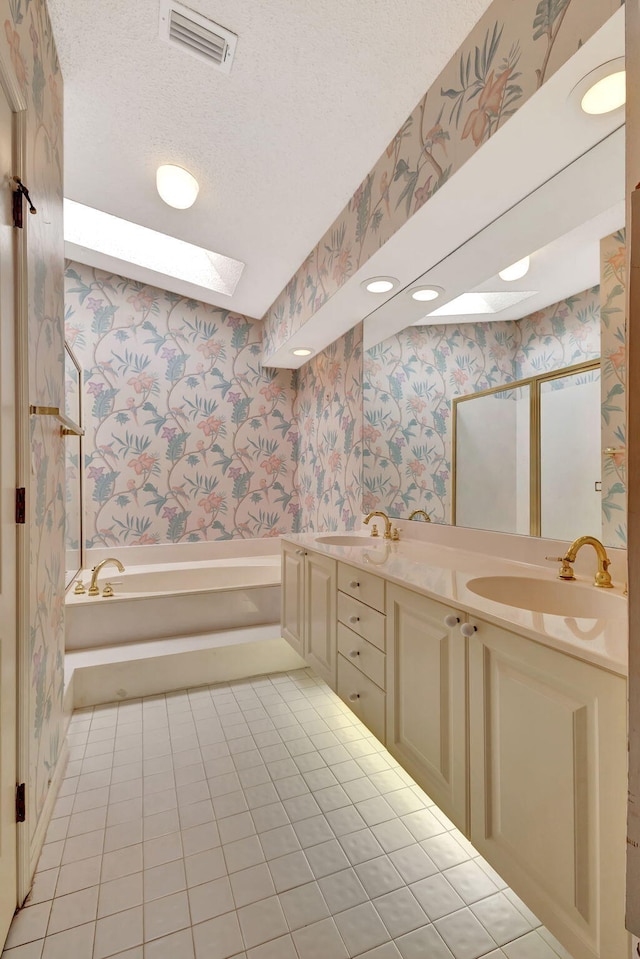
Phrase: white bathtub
x=178 y=599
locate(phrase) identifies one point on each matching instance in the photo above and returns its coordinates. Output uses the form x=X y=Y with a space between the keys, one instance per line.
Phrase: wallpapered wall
x=411 y=378
x=28 y=47
x=328 y=410
x=188 y=437
x=614 y=376
x=512 y=51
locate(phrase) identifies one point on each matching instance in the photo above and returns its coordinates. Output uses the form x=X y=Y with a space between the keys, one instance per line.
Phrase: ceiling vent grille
x=197 y=35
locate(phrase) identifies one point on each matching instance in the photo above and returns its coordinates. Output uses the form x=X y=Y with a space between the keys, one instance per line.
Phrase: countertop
x=443 y=572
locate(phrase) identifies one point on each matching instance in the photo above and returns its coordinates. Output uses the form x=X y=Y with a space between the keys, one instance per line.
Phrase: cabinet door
x=320 y=648
x=426 y=698
x=548 y=774
x=293 y=596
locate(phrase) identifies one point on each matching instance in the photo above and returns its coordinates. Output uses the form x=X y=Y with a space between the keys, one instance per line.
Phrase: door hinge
x=21 y=808
x=21 y=505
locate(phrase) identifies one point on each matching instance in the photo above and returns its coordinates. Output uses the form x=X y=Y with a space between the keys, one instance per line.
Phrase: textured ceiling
x=317 y=90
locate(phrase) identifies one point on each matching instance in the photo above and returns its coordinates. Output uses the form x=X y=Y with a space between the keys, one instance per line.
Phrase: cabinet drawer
x=361 y=654
x=364 y=586
x=363 y=696
x=362 y=619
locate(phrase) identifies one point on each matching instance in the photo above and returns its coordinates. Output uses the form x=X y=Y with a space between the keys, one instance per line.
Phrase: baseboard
x=37 y=840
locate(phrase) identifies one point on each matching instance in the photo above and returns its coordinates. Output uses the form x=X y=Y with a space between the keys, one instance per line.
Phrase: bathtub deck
x=129 y=670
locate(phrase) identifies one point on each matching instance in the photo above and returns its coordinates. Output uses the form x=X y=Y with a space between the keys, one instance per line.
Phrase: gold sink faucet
x=387 y=522
x=95 y=572
x=420 y=512
x=602 y=577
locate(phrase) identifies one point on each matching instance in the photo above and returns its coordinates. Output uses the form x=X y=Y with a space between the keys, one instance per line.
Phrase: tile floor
x=256 y=820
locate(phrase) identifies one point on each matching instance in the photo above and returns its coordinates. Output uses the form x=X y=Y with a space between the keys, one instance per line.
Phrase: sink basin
x=346 y=540
x=550 y=596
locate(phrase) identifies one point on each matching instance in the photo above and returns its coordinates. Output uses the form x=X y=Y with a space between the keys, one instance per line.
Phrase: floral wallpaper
x=188 y=437
x=614 y=375
x=410 y=380
x=512 y=51
x=27 y=47
x=328 y=409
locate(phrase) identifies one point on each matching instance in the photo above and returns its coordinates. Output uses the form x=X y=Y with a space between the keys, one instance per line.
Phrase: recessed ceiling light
x=176 y=186
x=516 y=271
x=94 y=230
x=425 y=293
x=606 y=94
x=379 y=284
x=302 y=351
x=603 y=90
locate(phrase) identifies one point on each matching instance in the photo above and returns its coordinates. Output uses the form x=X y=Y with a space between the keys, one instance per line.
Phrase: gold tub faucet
x=387 y=522
x=95 y=572
x=420 y=512
x=602 y=577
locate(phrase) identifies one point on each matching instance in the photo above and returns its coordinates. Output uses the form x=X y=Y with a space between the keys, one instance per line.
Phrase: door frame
x=18 y=103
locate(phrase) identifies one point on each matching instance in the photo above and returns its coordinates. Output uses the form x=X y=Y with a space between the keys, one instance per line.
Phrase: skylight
x=471 y=304
x=132 y=243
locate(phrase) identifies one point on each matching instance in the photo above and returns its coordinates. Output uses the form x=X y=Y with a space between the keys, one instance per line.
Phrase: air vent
x=197 y=35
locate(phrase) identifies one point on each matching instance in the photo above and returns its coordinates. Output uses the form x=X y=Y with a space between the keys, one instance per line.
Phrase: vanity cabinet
x=426 y=697
x=547 y=763
x=308 y=604
x=521 y=745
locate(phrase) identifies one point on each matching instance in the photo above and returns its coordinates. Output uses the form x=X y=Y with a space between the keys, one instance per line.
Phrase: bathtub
x=161 y=600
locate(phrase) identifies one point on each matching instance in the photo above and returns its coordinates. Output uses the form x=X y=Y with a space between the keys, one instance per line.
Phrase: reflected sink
x=346 y=540
x=550 y=596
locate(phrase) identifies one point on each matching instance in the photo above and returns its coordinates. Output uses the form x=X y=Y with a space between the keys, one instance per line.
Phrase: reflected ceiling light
x=516 y=271
x=176 y=186
x=379 y=284
x=606 y=94
x=302 y=351
x=474 y=304
x=425 y=293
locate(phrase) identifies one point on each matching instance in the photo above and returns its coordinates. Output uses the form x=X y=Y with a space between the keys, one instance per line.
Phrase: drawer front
x=362 y=619
x=362 y=696
x=361 y=654
x=363 y=586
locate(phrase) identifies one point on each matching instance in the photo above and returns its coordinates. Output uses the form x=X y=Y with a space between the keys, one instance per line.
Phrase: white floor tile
x=319 y=941
x=257 y=820
x=361 y=928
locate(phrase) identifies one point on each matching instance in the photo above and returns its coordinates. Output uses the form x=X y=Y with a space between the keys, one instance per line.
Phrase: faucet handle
x=566 y=569
x=374 y=530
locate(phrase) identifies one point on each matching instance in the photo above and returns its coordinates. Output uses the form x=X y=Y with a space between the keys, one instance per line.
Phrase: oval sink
x=346 y=540
x=550 y=596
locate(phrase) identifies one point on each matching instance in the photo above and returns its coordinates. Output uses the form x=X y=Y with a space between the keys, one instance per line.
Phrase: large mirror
x=485 y=333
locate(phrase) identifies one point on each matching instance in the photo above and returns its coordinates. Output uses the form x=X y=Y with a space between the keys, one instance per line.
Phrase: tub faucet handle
x=79 y=588
x=108 y=590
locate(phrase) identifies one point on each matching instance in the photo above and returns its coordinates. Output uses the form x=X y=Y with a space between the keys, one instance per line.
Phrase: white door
x=8 y=664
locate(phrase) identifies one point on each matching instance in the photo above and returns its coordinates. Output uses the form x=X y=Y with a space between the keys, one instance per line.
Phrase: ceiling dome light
x=606 y=95
x=302 y=351
x=516 y=271
x=379 y=284
x=426 y=293
x=177 y=187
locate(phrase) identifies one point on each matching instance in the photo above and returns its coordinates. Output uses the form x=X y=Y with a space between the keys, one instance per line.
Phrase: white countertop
x=443 y=572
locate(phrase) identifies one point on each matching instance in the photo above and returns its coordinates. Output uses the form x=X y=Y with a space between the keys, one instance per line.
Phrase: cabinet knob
x=353 y=584
x=354 y=652
x=451 y=620
x=354 y=619
x=468 y=629
x=353 y=697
